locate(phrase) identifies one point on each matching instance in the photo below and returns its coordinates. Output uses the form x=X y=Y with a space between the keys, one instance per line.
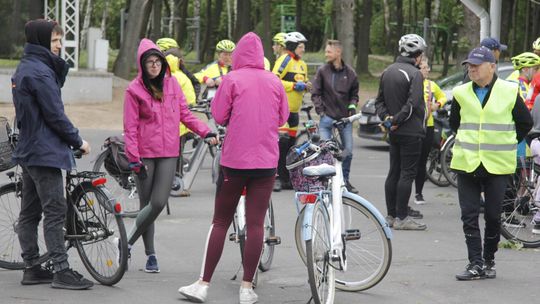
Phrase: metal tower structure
x=67 y=13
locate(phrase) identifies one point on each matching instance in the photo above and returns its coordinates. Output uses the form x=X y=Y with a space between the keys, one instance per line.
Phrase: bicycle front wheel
x=517 y=213
x=122 y=186
x=10 y=248
x=320 y=272
x=434 y=169
x=267 y=254
x=446 y=159
x=367 y=249
x=100 y=233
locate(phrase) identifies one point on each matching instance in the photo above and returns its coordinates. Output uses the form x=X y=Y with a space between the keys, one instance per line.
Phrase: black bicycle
x=94 y=225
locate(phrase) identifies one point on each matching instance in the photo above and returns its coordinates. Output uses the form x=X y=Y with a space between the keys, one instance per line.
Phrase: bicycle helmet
x=167 y=43
x=411 y=45
x=279 y=38
x=525 y=60
x=225 y=46
x=295 y=37
x=536 y=44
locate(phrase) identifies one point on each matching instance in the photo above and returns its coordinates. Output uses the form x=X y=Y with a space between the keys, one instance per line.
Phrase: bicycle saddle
x=322 y=170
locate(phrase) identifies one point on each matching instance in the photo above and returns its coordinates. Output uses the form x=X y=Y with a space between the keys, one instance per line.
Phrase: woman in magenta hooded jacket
x=252 y=103
x=154 y=106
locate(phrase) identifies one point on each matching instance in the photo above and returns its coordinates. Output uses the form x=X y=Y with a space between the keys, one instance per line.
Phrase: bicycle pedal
x=352 y=234
x=233 y=238
x=273 y=240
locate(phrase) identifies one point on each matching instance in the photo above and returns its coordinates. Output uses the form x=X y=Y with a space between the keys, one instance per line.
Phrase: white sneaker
x=195 y=292
x=248 y=296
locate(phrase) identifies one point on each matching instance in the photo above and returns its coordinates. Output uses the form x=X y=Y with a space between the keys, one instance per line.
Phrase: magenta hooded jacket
x=151 y=126
x=252 y=103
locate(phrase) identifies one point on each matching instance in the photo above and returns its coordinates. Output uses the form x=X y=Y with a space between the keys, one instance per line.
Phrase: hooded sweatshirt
x=252 y=103
x=151 y=125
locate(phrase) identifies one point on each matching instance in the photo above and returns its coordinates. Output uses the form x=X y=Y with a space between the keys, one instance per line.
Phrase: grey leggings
x=153 y=196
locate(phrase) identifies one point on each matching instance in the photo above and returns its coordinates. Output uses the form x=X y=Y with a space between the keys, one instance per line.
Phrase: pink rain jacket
x=252 y=103
x=151 y=125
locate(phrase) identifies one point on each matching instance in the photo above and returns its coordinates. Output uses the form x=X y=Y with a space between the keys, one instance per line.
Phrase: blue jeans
x=43 y=193
x=325 y=130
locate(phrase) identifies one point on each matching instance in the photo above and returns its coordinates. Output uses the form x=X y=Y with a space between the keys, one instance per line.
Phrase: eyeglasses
x=150 y=63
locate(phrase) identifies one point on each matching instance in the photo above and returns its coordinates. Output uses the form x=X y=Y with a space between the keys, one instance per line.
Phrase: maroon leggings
x=228 y=192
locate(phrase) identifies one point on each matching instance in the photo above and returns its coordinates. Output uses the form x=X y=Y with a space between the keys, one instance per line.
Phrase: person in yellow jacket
x=212 y=73
x=526 y=65
x=434 y=98
x=293 y=72
x=278 y=45
x=490 y=118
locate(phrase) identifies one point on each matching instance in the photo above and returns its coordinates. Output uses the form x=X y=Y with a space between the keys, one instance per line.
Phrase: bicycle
x=434 y=171
x=518 y=207
x=94 y=225
x=446 y=159
x=335 y=229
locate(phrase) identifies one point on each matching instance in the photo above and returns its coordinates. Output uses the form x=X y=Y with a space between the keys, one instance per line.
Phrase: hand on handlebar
x=85 y=147
x=212 y=139
x=210 y=82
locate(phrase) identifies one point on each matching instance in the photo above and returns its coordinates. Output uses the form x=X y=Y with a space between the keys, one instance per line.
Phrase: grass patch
x=9 y=63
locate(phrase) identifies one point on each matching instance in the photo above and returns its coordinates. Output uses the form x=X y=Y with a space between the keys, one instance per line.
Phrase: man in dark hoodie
x=45 y=141
x=400 y=105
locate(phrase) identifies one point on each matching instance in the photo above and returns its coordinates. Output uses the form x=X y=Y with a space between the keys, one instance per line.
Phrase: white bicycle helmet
x=411 y=44
x=295 y=37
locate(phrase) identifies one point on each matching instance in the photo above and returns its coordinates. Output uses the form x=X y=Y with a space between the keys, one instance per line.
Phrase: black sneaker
x=350 y=188
x=415 y=214
x=70 y=279
x=489 y=269
x=277 y=185
x=36 y=275
x=472 y=272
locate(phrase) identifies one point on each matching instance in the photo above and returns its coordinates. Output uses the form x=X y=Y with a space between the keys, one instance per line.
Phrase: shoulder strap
x=284 y=64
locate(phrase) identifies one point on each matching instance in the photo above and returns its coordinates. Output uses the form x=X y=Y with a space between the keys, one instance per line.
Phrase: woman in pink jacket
x=154 y=106
x=252 y=103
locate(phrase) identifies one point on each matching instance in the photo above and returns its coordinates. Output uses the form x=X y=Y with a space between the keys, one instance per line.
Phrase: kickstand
x=236 y=274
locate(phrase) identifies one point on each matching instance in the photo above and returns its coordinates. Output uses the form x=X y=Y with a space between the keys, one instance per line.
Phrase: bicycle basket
x=116 y=162
x=295 y=163
x=6 y=147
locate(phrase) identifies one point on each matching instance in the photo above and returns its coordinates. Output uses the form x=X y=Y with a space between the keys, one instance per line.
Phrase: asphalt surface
x=423 y=264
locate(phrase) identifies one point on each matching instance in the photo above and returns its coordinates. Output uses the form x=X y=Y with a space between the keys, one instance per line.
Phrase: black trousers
x=469 y=188
x=427 y=144
x=404 y=154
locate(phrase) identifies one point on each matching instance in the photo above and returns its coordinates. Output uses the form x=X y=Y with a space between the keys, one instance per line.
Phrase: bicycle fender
x=306 y=222
x=380 y=218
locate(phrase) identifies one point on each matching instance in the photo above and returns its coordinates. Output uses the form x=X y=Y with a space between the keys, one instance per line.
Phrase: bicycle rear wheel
x=103 y=247
x=122 y=188
x=10 y=248
x=367 y=249
x=320 y=272
x=434 y=169
x=446 y=158
x=267 y=254
x=517 y=213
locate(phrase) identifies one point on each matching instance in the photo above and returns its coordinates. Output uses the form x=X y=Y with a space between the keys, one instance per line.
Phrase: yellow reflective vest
x=486 y=135
x=432 y=92
x=290 y=71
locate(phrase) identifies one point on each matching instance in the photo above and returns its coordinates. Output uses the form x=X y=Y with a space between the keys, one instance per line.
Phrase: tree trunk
x=512 y=34
x=468 y=34
x=363 y=34
x=128 y=49
x=197 y=40
x=104 y=20
x=399 y=28
x=35 y=9
x=243 y=20
x=506 y=20
x=207 y=31
x=298 y=16
x=86 y=23
x=436 y=11
x=156 y=20
x=145 y=21
x=527 y=27
x=387 y=34
x=427 y=9
x=345 y=28
x=216 y=16
x=267 y=32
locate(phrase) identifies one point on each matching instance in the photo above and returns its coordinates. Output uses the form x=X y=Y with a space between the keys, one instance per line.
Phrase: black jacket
x=401 y=95
x=334 y=90
x=520 y=113
x=46 y=134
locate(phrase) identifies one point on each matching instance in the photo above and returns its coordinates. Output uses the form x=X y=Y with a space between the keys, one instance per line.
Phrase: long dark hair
x=155 y=85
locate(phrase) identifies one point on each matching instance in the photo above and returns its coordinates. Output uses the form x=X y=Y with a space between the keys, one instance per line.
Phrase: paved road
x=422 y=271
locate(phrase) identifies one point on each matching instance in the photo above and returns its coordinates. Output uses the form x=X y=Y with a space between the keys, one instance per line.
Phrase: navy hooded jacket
x=46 y=134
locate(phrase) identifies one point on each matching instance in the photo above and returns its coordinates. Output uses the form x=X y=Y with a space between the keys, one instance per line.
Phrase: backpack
x=116 y=163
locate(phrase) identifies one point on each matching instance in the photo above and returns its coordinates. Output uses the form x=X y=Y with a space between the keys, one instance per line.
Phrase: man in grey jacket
x=335 y=95
x=400 y=105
